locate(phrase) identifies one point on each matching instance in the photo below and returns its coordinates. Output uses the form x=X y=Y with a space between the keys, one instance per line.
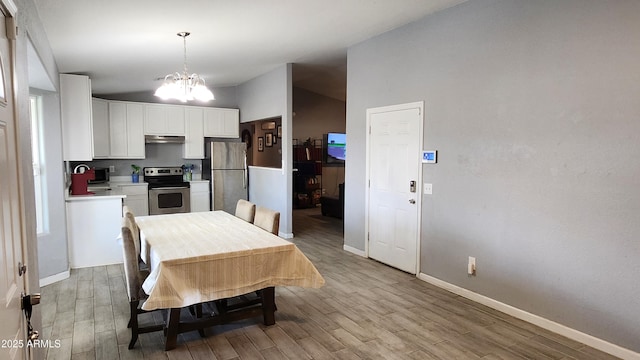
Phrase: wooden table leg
x=269 y=305
x=199 y=316
x=172 y=329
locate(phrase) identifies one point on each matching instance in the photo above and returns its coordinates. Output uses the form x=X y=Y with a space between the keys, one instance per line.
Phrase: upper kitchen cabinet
x=126 y=124
x=194 y=134
x=101 y=147
x=75 y=108
x=164 y=119
x=223 y=123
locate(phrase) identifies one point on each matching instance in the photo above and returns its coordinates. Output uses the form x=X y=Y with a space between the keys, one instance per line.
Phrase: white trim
x=54 y=278
x=354 y=250
x=547 y=324
x=11 y=7
x=285 y=235
x=408 y=106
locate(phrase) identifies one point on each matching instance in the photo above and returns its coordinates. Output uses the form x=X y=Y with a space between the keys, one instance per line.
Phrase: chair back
x=245 y=210
x=131 y=268
x=127 y=213
x=267 y=219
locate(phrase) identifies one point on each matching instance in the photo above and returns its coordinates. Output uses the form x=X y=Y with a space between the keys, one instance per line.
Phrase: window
x=35 y=107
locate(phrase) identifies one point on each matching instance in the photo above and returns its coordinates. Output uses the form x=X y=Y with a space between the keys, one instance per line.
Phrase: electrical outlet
x=428 y=189
x=471 y=267
x=112 y=168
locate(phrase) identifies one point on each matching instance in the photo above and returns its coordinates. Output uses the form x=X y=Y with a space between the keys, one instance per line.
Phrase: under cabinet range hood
x=163 y=139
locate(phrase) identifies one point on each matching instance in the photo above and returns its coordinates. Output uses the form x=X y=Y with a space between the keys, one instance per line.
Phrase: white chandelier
x=184 y=87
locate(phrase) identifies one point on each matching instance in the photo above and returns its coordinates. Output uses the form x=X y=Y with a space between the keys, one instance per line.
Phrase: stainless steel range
x=168 y=193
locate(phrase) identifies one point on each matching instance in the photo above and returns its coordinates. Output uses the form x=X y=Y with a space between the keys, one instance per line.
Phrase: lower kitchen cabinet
x=199 y=195
x=137 y=197
x=93 y=226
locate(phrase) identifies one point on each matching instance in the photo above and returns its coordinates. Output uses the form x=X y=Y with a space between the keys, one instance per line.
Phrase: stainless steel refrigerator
x=225 y=165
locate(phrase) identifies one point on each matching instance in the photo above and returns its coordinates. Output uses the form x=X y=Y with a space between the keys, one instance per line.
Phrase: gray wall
x=269 y=96
x=533 y=108
x=316 y=114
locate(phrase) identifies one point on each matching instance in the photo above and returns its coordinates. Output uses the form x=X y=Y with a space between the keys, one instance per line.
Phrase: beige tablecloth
x=204 y=256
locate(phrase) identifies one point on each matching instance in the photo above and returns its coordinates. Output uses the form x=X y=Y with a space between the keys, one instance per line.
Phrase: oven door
x=169 y=200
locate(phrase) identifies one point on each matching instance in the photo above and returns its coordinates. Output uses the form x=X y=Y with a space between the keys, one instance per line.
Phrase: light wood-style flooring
x=366 y=310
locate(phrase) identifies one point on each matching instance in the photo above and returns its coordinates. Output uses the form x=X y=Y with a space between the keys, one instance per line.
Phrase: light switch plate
x=428 y=189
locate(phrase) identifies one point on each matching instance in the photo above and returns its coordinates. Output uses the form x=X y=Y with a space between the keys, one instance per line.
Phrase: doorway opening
x=318 y=171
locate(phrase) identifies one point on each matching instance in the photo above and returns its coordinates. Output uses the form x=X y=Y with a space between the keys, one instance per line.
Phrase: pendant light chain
x=184 y=39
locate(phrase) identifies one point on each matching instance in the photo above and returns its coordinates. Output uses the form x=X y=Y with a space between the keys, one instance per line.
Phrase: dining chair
x=245 y=210
x=134 y=278
x=126 y=212
x=267 y=219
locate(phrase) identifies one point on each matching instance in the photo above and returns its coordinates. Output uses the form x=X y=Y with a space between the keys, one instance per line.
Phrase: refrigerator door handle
x=244 y=177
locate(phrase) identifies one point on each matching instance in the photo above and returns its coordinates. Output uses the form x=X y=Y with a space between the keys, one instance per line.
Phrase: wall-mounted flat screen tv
x=335 y=148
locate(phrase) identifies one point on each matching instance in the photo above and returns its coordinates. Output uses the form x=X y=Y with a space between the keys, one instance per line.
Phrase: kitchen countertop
x=127 y=183
x=112 y=190
x=99 y=195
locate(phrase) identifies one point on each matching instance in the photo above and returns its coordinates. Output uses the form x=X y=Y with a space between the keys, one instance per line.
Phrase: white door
x=394 y=143
x=12 y=331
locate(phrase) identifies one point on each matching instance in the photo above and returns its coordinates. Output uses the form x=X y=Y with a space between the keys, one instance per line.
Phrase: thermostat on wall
x=429 y=157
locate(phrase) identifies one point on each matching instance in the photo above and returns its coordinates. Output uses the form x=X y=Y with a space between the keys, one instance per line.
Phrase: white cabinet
x=224 y=123
x=194 y=134
x=126 y=124
x=75 y=109
x=199 y=195
x=93 y=225
x=164 y=119
x=137 y=197
x=100 y=110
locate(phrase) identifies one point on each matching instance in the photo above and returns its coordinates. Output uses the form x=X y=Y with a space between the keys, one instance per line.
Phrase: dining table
x=200 y=257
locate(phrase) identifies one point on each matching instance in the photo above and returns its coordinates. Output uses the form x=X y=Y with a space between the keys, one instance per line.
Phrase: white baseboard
x=550 y=325
x=353 y=250
x=54 y=278
x=285 y=235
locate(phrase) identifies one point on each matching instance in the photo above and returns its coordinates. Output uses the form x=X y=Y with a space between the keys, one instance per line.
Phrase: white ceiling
x=125 y=46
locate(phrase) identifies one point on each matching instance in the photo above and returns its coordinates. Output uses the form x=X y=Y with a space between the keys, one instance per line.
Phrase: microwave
x=102 y=176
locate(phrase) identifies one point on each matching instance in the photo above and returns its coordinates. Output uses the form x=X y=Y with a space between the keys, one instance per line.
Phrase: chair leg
x=133 y=323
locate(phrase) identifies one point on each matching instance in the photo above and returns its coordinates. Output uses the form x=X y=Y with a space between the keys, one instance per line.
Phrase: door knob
x=412 y=201
x=27 y=306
